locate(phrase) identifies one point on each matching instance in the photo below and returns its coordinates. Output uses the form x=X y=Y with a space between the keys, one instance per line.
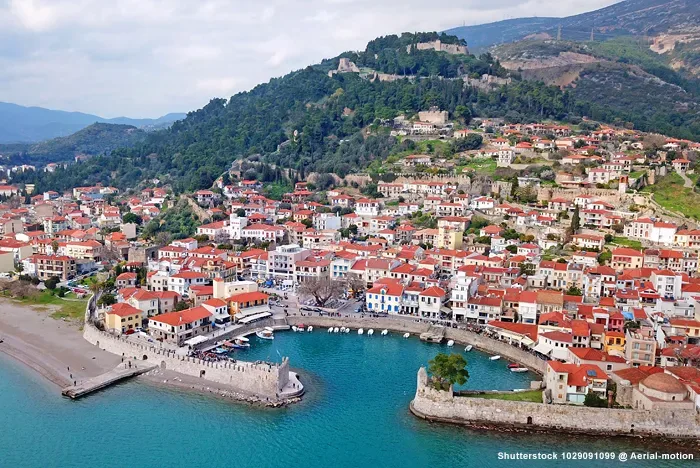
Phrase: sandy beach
x=53 y=348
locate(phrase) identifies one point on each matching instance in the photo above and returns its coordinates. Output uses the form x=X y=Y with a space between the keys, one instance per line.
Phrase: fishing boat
x=451 y=343
x=513 y=365
x=468 y=348
x=495 y=358
x=265 y=334
x=385 y=332
x=309 y=329
x=370 y=331
x=406 y=335
x=519 y=369
x=360 y=331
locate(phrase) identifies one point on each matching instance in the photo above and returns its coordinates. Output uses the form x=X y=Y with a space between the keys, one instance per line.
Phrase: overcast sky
x=145 y=58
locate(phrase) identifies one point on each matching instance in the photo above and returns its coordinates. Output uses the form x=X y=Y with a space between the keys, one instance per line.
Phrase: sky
x=145 y=58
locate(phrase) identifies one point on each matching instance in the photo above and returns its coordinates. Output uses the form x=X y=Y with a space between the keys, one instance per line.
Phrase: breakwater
x=266 y=381
x=444 y=406
x=461 y=336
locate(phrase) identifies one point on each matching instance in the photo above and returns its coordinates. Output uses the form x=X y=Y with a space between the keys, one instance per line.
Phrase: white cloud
x=150 y=57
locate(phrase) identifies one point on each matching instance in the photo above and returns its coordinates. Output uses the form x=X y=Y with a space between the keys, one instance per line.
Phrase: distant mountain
x=630 y=17
x=20 y=124
x=93 y=140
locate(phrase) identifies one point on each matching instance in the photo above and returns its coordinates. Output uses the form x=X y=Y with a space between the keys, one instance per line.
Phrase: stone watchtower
x=623 y=184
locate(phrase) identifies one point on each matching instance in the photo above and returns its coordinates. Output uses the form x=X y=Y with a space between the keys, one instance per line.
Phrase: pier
x=121 y=372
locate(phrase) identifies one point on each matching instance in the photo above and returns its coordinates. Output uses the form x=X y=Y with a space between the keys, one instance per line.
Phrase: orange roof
x=248 y=297
x=182 y=317
x=123 y=309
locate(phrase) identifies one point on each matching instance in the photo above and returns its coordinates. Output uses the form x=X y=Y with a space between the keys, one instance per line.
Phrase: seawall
x=262 y=380
x=460 y=336
x=443 y=406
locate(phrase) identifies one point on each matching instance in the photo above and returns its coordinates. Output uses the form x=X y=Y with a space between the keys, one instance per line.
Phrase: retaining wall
x=260 y=379
x=462 y=337
x=442 y=406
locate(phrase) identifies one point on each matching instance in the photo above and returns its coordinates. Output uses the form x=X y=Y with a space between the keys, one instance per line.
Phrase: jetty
x=435 y=334
x=121 y=372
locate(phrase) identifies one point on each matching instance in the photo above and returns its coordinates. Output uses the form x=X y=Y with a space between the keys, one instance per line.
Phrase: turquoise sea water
x=354 y=414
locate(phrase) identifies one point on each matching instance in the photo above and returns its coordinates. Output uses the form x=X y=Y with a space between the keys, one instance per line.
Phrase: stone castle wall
x=437 y=405
x=258 y=379
x=607 y=195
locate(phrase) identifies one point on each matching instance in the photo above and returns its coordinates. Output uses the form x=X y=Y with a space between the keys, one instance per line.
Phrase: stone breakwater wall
x=443 y=406
x=462 y=337
x=263 y=380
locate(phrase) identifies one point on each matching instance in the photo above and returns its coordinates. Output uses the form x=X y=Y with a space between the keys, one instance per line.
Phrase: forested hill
x=313 y=120
x=96 y=139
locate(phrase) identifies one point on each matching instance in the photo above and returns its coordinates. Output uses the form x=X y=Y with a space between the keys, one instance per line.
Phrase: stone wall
x=607 y=195
x=437 y=405
x=461 y=337
x=263 y=380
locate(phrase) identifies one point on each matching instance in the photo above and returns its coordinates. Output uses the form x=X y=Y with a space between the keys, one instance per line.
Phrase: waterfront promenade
x=123 y=371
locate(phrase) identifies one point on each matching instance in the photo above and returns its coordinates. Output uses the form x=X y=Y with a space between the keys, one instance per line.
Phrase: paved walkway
x=121 y=372
x=687 y=182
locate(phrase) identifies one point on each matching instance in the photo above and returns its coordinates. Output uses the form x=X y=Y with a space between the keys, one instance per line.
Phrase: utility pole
x=592 y=28
x=559 y=33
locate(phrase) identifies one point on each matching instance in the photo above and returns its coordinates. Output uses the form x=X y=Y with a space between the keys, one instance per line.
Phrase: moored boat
x=451 y=343
x=360 y=331
x=513 y=365
x=294 y=328
x=385 y=332
x=519 y=369
x=330 y=329
x=265 y=334
x=309 y=328
x=406 y=335
x=495 y=358
x=336 y=330
x=370 y=331
x=468 y=348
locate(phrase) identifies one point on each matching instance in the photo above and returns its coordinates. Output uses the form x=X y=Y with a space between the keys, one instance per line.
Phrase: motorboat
x=309 y=329
x=294 y=328
x=347 y=330
x=360 y=331
x=330 y=330
x=451 y=343
x=468 y=348
x=241 y=342
x=370 y=331
x=406 y=335
x=385 y=332
x=336 y=330
x=342 y=329
x=495 y=358
x=265 y=334
x=513 y=365
x=519 y=369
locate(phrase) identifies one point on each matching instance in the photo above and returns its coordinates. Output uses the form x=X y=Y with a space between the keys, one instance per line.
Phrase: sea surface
x=355 y=414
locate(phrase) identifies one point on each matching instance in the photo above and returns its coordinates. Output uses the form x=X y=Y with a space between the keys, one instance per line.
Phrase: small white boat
x=330 y=330
x=451 y=343
x=336 y=330
x=519 y=369
x=495 y=358
x=265 y=334
x=294 y=328
x=406 y=335
x=385 y=332
x=309 y=329
x=342 y=329
x=347 y=330
x=468 y=348
x=360 y=331
x=370 y=331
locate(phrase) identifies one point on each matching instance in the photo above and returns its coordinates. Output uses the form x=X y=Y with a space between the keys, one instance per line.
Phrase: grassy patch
x=485 y=166
x=625 y=242
x=68 y=307
x=533 y=396
x=670 y=193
